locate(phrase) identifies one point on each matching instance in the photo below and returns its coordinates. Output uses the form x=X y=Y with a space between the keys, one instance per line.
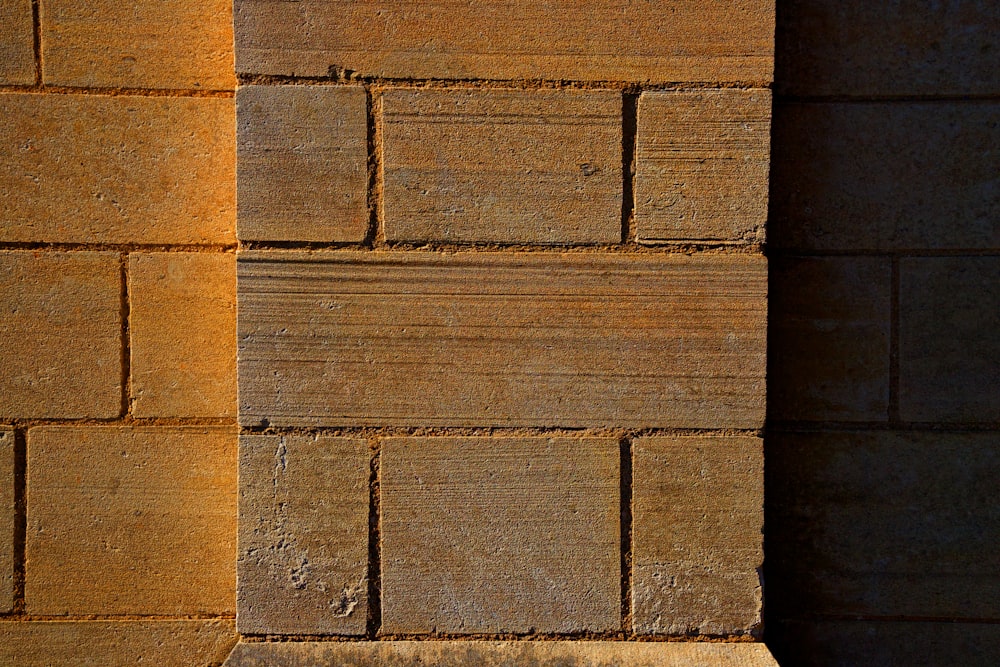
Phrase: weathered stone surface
x=688 y=40
x=488 y=535
x=702 y=161
x=6 y=521
x=883 y=176
x=855 y=47
x=116 y=169
x=303 y=156
x=830 y=337
x=484 y=339
x=884 y=524
x=182 y=325
x=515 y=166
x=138 y=44
x=500 y=654
x=303 y=517
x=17 y=48
x=61 y=328
x=884 y=642
x=131 y=520
x=697 y=519
x=115 y=643
x=949 y=352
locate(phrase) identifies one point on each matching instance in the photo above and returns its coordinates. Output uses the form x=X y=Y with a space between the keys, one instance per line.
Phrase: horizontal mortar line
x=868 y=618
x=484 y=637
x=118 y=247
x=773 y=427
x=679 y=247
x=494 y=431
x=378 y=82
x=165 y=422
x=902 y=253
x=111 y=91
x=780 y=98
x=71 y=618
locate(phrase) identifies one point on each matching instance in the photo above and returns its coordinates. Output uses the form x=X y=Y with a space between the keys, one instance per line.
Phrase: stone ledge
x=499 y=654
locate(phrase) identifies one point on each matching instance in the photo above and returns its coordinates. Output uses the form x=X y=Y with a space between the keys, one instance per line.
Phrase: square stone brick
x=697 y=543
x=303 y=163
x=138 y=521
x=303 y=563
x=503 y=166
x=61 y=327
x=701 y=165
x=488 y=535
x=182 y=325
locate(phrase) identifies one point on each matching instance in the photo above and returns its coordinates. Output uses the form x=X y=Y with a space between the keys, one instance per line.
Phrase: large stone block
x=17 y=43
x=491 y=535
x=503 y=166
x=138 y=521
x=116 y=169
x=62 y=332
x=7 y=510
x=303 y=549
x=488 y=339
x=688 y=40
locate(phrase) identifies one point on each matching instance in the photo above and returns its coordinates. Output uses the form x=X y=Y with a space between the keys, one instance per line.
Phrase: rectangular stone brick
x=697 y=544
x=490 y=339
x=303 y=551
x=855 y=47
x=689 y=40
x=515 y=166
x=131 y=521
x=490 y=535
x=949 y=353
x=138 y=44
x=830 y=324
x=883 y=524
x=116 y=169
x=885 y=176
x=17 y=43
x=63 y=335
x=701 y=165
x=459 y=653
x=303 y=163
x=116 y=643
x=182 y=325
x=7 y=510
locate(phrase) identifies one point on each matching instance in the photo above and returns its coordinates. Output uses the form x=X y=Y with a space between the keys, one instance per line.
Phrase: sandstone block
x=6 y=521
x=949 y=353
x=568 y=39
x=131 y=521
x=701 y=165
x=884 y=524
x=138 y=44
x=830 y=330
x=62 y=330
x=116 y=169
x=182 y=325
x=116 y=643
x=303 y=157
x=515 y=166
x=501 y=339
x=885 y=176
x=17 y=47
x=303 y=551
x=500 y=654
x=490 y=535
x=697 y=544
x=853 y=47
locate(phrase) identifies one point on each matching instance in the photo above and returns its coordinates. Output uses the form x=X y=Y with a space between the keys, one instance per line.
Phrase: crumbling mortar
x=494 y=431
x=117 y=247
x=39 y=88
x=660 y=248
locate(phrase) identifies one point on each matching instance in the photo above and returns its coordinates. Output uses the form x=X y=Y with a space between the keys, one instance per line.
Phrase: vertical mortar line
x=376 y=232
x=625 y=491
x=36 y=25
x=20 y=517
x=894 y=414
x=630 y=112
x=374 y=621
x=126 y=345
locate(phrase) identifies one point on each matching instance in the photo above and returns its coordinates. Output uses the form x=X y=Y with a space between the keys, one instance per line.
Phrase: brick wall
x=884 y=385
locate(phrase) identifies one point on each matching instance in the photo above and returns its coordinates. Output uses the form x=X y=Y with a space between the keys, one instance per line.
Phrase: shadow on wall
x=883 y=437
